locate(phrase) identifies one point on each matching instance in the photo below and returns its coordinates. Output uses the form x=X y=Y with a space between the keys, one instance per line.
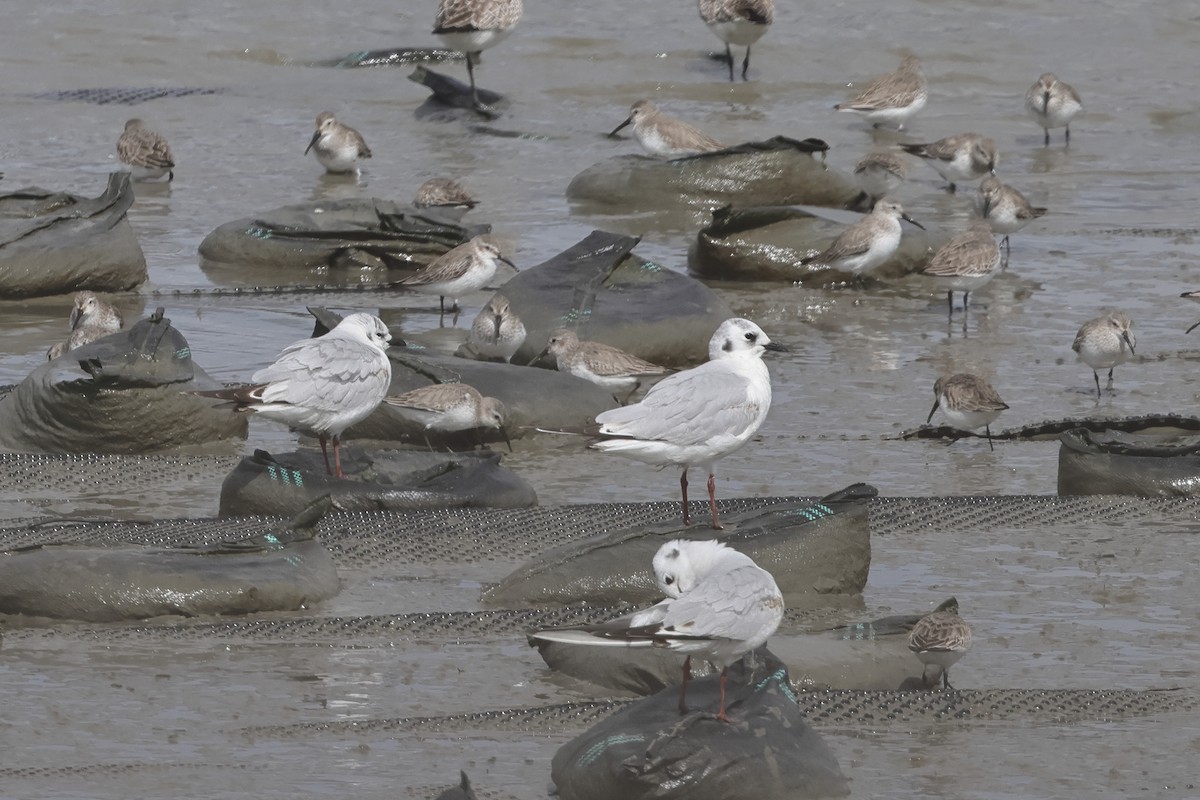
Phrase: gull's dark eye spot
x=728 y=346
x=668 y=580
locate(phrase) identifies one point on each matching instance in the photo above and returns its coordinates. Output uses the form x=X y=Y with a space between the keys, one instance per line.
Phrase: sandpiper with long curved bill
x=1053 y=104
x=663 y=135
x=968 y=402
x=337 y=147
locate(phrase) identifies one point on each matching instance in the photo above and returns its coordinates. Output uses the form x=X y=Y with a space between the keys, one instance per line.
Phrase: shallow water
x=1048 y=611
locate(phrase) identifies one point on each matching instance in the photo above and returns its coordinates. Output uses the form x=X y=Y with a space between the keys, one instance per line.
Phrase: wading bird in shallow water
x=894 y=98
x=696 y=417
x=472 y=26
x=720 y=605
x=1005 y=209
x=663 y=135
x=740 y=22
x=336 y=146
x=1105 y=342
x=1053 y=104
x=940 y=639
x=322 y=385
x=968 y=402
x=868 y=243
x=962 y=157
x=967 y=262
x=145 y=153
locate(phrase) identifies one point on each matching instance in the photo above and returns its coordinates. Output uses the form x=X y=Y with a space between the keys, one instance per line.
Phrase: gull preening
x=336 y=146
x=720 y=605
x=322 y=385
x=696 y=417
x=145 y=153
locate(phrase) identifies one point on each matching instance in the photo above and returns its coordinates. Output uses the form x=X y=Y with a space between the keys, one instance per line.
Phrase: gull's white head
x=681 y=563
x=740 y=338
x=366 y=328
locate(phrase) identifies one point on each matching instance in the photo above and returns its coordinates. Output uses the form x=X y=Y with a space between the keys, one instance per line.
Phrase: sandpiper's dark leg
x=950 y=303
x=951 y=188
x=746 y=65
x=988 y=430
x=1068 y=134
x=729 y=58
x=1048 y=137
x=471 y=75
x=1096 y=375
x=1110 y=381
x=946 y=679
x=683 y=493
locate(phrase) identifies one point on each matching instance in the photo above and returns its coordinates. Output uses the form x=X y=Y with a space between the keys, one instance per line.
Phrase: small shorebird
x=963 y=157
x=466 y=268
x=940 y=639
x=338 y=147
x=740 y=22
x=442 y=192
x=322 y=385
x=696 y=417
x=967 y=262
x=1004 y=208
x=893 y=98
x=867 y=243
x=720 y=605
x=662 y=135
x=91 y=319
x=879 y=173
x=472 y=26
x=450 y=407
x=145 y=152
x=968 y=402
x=1105 y=342
x=1053 y=104
x=497 y=331
x=600 y=363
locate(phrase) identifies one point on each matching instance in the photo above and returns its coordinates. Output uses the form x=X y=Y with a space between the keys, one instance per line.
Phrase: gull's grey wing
x=324 y=373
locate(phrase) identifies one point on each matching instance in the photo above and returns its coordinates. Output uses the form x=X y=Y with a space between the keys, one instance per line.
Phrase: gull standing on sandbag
x=322 y=385
x=466 y=268
x=145 y=153
x=720 y=605
x=740 y=22
x=601 y=364
x=868 y=243
x=336 y=146
x=696 y=417
x=450 y=407
x=663 y=135
x=91 y=319
x=472 y=26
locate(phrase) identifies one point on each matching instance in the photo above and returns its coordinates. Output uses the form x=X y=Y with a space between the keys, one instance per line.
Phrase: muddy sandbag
x=281 y=570
x=57 y=242
x=777 y=171
x=1114 y=462
x=396 y=480
x=766 y=244
x=649 y=750
x=353 y=232
x=123 y=394
x=532 y=397
x=607 y=293
x=810 y=548
x=855 y=657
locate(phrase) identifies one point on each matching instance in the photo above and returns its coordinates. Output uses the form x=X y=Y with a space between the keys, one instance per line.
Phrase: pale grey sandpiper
x=740 y=22
x=1004 y=208
x=968 y=402
x=145 y=153
x=443 y=192
x=663 y=135
x=91 y=319
x=497 y=331
x=940 y=639
x=449 y=408
x=696 y=417
x=466 y=268
x=322 y=385
x=879 y=173
x=962 y=157
x=599 y=363
x=472 y=26
x=868 y=243
x=967 y=262
x=1053 y=104
x=1105 y=342
x=337 y=147
x=894 y=98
